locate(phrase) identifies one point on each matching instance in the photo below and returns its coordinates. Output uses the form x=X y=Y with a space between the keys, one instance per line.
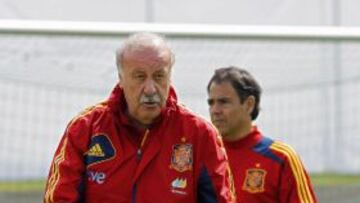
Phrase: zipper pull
x=138 y=154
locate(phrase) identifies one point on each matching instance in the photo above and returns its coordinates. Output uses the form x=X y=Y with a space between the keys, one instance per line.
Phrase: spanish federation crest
x=254 y=180
x=182 y=157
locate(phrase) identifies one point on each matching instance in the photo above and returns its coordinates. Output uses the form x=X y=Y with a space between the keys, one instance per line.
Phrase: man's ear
x=250 y=104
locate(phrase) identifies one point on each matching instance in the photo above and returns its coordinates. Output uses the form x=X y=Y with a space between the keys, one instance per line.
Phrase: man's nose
x=215 y=109
x=149 y=87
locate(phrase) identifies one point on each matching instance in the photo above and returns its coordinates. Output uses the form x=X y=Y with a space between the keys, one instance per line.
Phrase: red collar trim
x=118 y=105
x=248 y=141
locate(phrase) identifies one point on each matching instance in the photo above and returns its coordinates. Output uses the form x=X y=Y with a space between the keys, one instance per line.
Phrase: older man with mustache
x=140 y=145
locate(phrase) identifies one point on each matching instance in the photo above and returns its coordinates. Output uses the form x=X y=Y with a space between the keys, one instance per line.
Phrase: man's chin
x=149 y=116
x=222 y=131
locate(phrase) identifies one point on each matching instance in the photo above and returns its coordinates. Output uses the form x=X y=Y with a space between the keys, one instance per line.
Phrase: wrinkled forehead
x=147 y=55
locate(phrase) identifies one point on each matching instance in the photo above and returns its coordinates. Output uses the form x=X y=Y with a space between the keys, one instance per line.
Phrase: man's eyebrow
x=220 y=99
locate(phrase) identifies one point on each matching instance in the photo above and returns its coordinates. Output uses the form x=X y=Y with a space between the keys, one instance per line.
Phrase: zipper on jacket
x=138 y=158
x=134 y=193
x=139 y=151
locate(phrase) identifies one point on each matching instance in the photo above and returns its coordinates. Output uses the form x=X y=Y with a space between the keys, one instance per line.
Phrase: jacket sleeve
x=67 y=168
x=295 y=184
x=215 y=184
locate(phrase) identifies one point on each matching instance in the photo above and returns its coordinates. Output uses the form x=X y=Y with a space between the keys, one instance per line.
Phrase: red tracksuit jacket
x=267 y=171
x=102 y=158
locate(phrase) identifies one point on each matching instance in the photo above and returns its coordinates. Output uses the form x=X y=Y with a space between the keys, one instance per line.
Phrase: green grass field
x=22 y=186
x=329 y=188
x=327 y=179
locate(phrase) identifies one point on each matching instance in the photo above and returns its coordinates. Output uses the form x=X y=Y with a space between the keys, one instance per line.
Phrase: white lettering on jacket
x=95 y=176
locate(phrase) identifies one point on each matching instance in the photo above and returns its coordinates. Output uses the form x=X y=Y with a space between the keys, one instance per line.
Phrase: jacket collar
x=248 y=141
x=118 y=105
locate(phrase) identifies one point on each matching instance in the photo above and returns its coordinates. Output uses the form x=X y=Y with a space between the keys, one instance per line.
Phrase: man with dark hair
x=264 y=170
x=140 y=145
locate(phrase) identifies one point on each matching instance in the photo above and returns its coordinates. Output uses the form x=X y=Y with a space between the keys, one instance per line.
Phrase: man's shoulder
x=90 y=113
x=284 y=150
x=190 y=117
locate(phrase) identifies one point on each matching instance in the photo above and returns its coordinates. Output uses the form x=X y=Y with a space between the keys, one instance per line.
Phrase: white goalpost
x=181 y=30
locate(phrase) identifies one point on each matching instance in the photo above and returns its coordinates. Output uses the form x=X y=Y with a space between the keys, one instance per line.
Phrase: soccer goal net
x=50 y=71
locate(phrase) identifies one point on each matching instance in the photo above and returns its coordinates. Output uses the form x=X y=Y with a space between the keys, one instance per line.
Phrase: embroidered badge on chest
x=254 y=180
x=100 y=149
x=181 y=157
x=178 y=186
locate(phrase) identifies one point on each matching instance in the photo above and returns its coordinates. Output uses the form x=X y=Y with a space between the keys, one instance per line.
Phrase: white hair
x=140 y=41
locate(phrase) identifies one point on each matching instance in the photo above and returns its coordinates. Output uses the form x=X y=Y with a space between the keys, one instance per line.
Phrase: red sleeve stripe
x=55 y=174
x=303 y=188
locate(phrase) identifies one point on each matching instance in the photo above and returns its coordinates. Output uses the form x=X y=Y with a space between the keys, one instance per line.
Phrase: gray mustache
x=155 y=98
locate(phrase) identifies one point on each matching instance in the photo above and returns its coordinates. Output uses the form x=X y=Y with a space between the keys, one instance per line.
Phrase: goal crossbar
x=321 y=33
